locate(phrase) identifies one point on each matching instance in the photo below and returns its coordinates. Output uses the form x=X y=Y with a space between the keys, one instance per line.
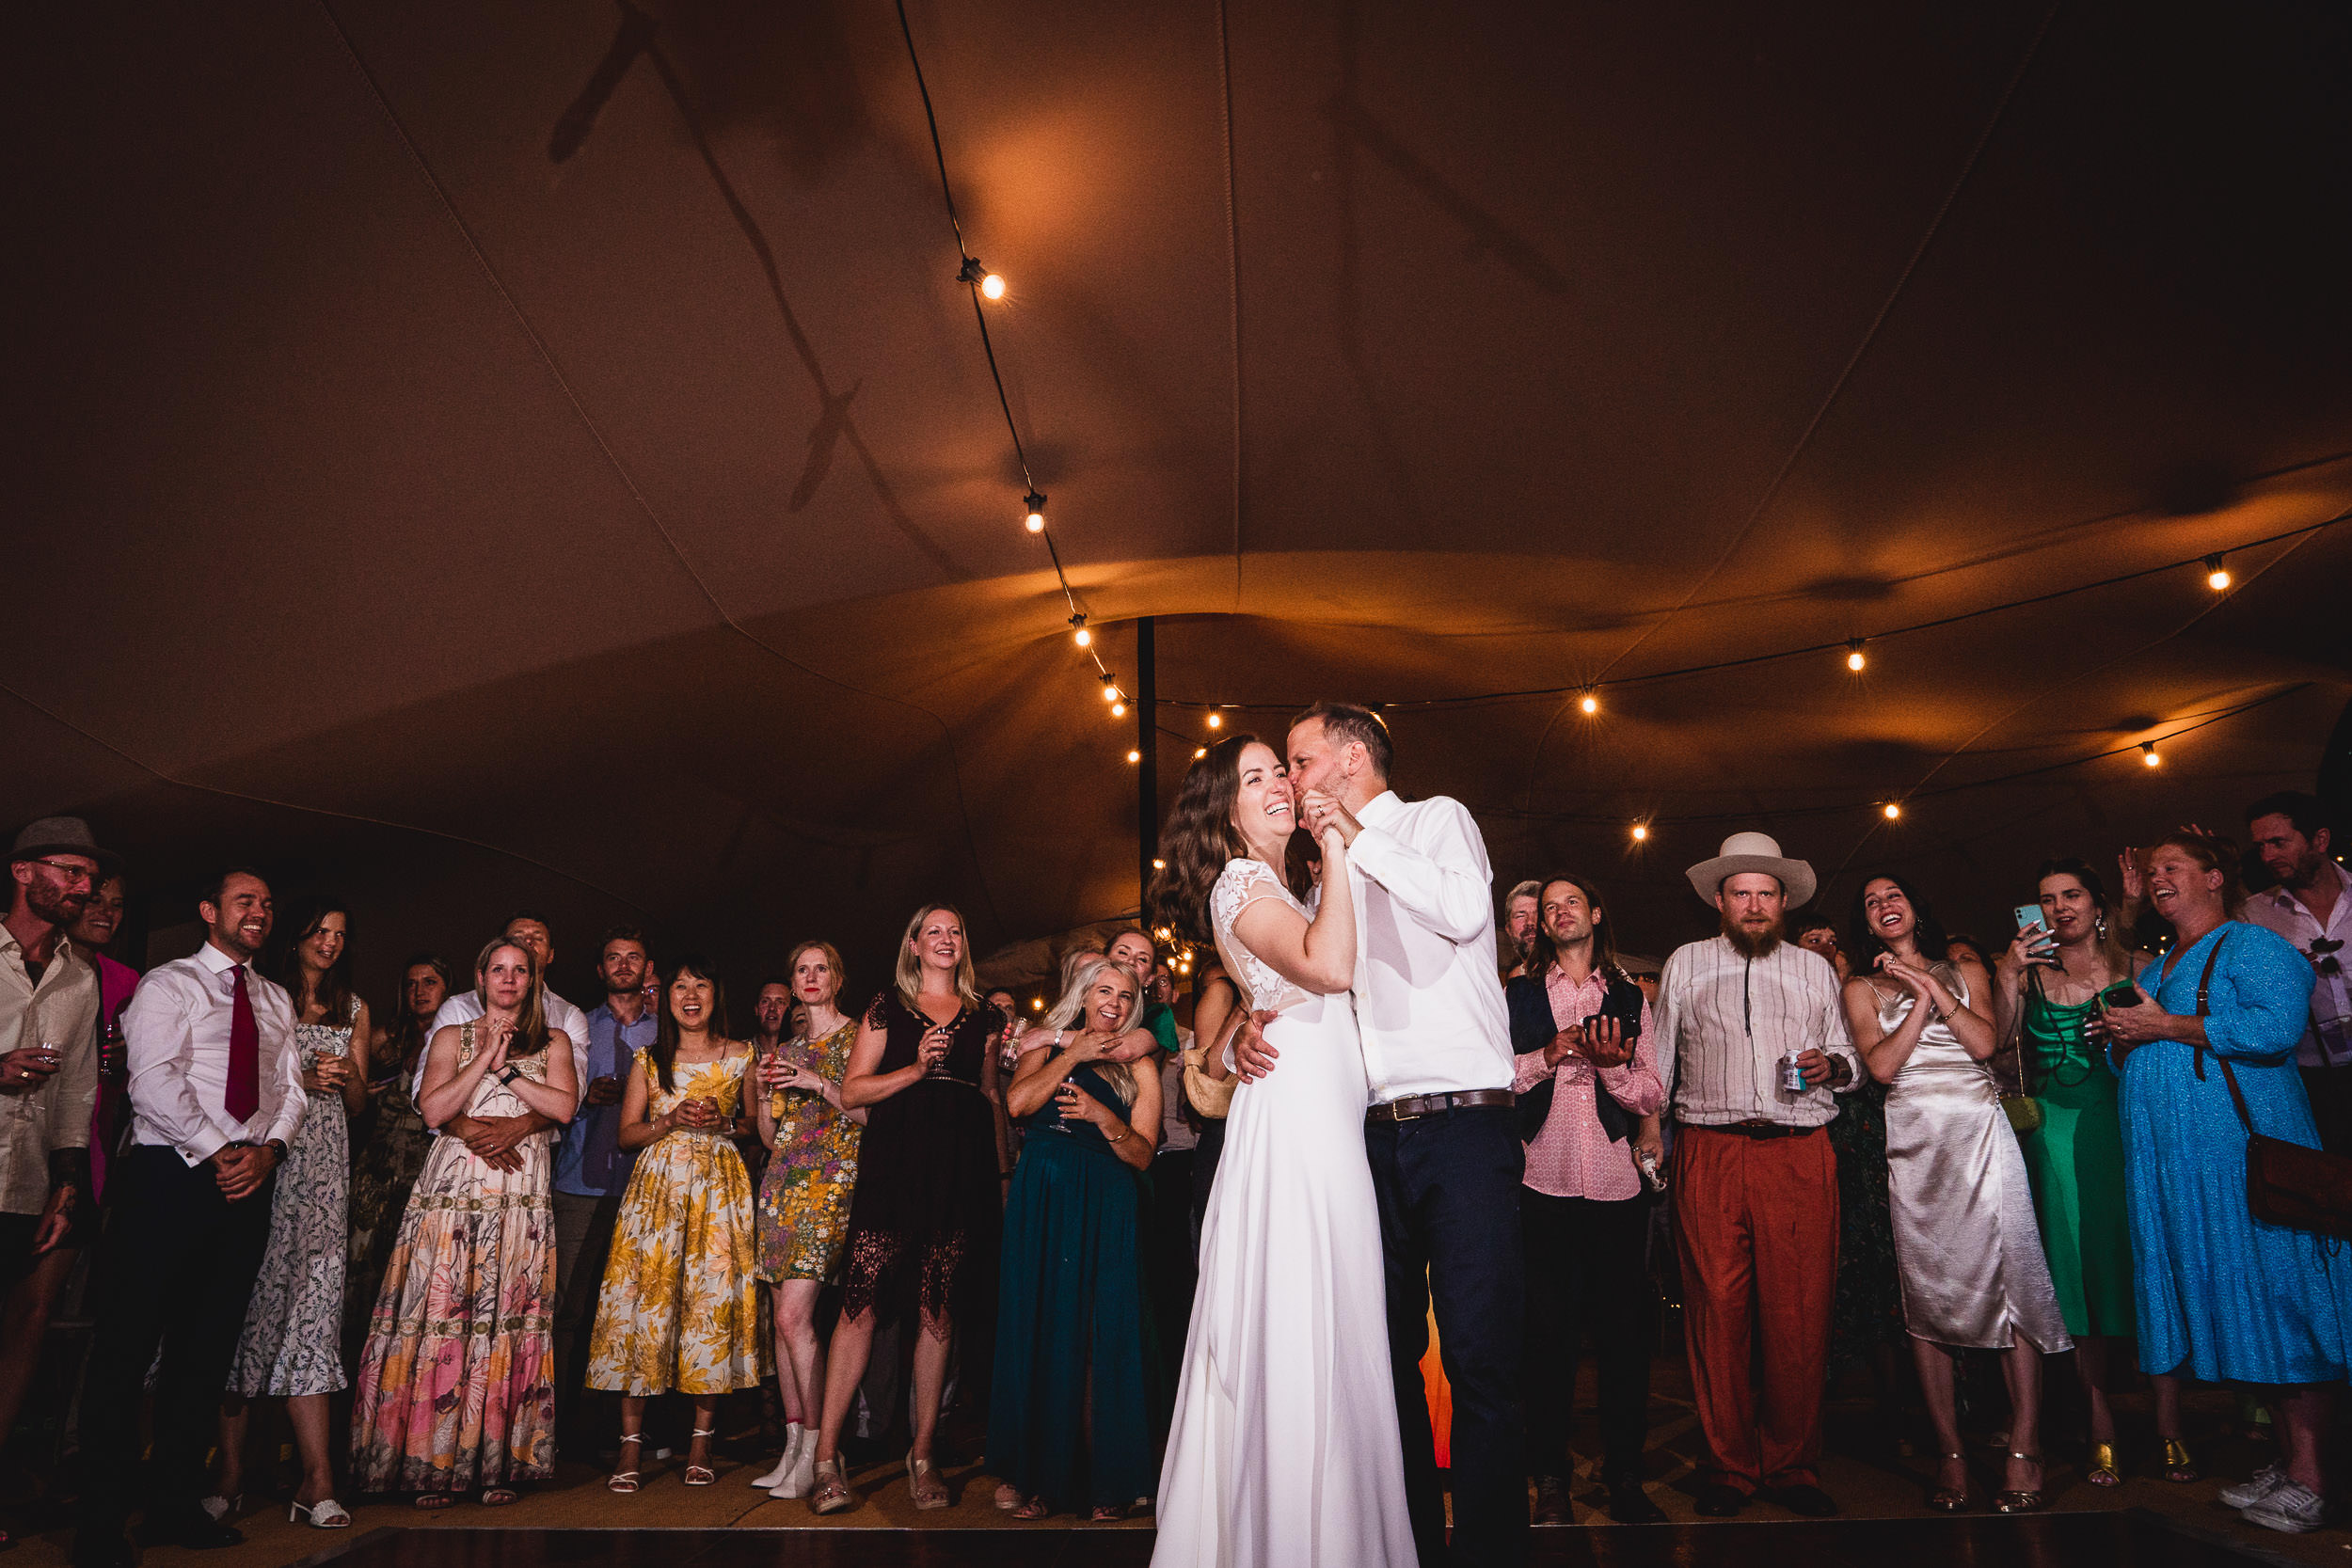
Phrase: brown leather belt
x=1752 y=1128
x=1417 y=1105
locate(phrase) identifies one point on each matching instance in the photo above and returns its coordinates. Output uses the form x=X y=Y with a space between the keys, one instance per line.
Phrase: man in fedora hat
x=1752 y=1042
x=48 y=1039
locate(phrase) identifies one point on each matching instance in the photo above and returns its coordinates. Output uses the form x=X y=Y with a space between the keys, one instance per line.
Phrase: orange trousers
x=1757 y=1220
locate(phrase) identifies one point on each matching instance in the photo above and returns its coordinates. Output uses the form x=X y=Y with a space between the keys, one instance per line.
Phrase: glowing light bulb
x=1217 y=720
x=2217 y=575
x=1894 y=810
x=1199 y=752
x=1083 y=637
x=1641 y=833
x=2150 y=755
x=992 y=287
x=1037 y=1003
x=1591 y=704
x=1118 y=710
x=1110 y=689
x=1035 y=522
x=1854 y=660
x=1134 y=757
x=1035 y=501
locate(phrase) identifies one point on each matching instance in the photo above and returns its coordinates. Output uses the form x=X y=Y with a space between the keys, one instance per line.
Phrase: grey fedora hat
x=1754 y=853
x=62 y=835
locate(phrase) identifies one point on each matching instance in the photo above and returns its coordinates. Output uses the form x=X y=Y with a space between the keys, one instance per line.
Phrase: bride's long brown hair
x=1197 y=841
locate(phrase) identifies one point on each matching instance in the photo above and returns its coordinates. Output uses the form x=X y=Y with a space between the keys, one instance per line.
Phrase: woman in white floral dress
x=292 y=1347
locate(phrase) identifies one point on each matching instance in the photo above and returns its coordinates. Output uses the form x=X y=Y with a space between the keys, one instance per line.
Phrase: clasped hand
x=1599 y=1040
x=1324 y=813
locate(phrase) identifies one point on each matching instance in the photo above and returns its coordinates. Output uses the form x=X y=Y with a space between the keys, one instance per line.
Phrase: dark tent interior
x=542 y=454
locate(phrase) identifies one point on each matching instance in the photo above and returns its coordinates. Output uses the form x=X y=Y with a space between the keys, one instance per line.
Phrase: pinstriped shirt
x=1726 y=1021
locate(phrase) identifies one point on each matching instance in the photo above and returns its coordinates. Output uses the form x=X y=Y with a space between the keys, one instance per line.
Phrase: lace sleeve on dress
x=1242 y=883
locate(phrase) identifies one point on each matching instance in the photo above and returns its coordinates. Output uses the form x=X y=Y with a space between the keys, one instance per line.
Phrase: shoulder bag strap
x=2229 y=1076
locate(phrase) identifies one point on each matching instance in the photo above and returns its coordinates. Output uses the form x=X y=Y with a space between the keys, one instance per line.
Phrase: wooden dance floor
x=2138 y=1537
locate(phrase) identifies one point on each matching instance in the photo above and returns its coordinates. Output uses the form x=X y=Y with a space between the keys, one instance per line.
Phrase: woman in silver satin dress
x=1967 y=1248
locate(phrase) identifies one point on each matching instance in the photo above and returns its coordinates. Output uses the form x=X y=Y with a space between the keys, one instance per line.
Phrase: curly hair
x=1865 y=944
x=1197 y=841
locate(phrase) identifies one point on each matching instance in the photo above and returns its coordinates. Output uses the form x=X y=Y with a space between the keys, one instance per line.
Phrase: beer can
x=1791 y=1075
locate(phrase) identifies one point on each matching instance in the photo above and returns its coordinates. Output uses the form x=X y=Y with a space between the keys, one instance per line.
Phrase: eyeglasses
x=71 y=873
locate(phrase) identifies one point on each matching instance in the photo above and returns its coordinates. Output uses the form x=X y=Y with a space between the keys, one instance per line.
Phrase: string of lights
x=988 y=287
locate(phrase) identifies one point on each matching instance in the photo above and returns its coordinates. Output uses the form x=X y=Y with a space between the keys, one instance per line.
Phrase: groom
x=1444 y=1149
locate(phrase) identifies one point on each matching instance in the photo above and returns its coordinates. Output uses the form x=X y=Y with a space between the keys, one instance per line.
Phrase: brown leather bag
x=2304 y=1189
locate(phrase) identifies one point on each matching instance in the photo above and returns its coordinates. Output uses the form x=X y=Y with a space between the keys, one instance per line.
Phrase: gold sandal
x=1950 y=1499
x=831 y=1494
x=2101 y=1470
x=924 y=1483
x=2178 y=1463
x=2014 y=1500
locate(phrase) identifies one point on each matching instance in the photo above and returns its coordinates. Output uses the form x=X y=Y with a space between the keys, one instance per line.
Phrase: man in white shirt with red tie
x=1440 y=1132
x=215 y=1093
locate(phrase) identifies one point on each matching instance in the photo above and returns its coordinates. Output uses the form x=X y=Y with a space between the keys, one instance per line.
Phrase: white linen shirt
x=63 y=1011
x=1724 y=1021
x=2327 y=1038
x=176 y=1032
x=468 y=1008
x=1428 y=996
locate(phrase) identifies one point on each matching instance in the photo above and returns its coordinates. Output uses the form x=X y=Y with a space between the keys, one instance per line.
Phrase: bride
x=1283 y=1450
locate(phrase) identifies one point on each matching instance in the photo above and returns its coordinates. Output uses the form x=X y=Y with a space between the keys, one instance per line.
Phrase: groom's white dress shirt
x=1428 y=996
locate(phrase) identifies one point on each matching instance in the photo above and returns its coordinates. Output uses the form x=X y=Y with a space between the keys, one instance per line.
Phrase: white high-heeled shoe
x=326 y=1513
x=802 y=1479
x=794 y=1436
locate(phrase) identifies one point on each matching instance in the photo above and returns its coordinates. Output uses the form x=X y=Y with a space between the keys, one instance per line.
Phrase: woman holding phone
x=1966 y=1247
x=2223 y=1296
x=925 y=1215
x=2046 y=990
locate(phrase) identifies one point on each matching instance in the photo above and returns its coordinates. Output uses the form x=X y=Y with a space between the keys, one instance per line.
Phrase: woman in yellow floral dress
x=680 y=1309
x=804 y=1197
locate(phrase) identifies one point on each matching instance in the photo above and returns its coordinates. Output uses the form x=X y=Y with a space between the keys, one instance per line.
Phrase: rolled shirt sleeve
x=1838 y=1036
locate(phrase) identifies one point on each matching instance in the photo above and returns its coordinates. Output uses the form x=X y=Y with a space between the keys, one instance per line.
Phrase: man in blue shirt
x=592 y=1169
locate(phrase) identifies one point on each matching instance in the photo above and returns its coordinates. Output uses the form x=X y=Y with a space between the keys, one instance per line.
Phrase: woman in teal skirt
x=2075 y=1154
x=1069 y=1418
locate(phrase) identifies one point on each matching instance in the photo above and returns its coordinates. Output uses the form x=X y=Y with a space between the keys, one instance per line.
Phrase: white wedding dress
x=1283 y=1450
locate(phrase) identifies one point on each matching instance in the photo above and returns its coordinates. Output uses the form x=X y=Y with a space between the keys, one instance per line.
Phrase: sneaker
x=2246 y=1493
x=2294 y=1508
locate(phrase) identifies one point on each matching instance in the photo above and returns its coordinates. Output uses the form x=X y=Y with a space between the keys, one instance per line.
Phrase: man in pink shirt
x=1582 y=1208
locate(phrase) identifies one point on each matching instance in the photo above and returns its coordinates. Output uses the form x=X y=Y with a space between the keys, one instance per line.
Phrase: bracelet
x=1125 y=1134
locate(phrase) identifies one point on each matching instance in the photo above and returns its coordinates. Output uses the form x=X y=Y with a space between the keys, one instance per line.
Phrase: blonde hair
x=910 y=970
x=1072 y=1005
x=833 y=958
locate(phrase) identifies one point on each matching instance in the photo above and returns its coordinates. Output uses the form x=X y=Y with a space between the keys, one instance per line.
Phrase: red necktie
x=243 y=1096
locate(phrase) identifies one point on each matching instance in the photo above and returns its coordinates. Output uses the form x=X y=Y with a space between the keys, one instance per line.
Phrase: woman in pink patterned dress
x=455 y=1388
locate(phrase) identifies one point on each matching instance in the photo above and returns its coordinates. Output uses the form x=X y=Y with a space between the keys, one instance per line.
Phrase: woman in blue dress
x=2223 y=1295
x=1070 y=1413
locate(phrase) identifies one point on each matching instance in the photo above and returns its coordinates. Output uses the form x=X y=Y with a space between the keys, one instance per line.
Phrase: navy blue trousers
x=1449 y=1191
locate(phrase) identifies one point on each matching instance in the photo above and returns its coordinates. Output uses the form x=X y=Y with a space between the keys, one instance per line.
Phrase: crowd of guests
x=500 y=1224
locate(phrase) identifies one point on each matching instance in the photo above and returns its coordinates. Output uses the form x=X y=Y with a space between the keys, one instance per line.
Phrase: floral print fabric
x=293 y=1324
x=456 y=1384
x=680 y=1308
x=804 y=1196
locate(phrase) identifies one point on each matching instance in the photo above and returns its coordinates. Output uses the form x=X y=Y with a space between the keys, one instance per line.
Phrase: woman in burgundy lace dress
x=923 y=1222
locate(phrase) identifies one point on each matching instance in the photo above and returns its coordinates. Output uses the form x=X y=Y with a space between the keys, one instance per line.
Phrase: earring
x=2103 y=928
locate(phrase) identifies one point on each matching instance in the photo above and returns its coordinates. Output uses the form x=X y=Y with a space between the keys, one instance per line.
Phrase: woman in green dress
x=2043 y=991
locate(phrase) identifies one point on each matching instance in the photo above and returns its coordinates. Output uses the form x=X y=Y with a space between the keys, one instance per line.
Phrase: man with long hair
x=1751 y=1039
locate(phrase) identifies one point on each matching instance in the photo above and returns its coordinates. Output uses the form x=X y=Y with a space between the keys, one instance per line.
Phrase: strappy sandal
x=701 y=1475
x=923 y=1483
x=2019 y=1500
x=2179 y=1466
x=1952 y=1499
x=499 y=1497
x=1036 y=1508
x=2101 y=1470
x=1107 y=1513
x=431 y=1502
x=626 y=1481
x=831 y=1494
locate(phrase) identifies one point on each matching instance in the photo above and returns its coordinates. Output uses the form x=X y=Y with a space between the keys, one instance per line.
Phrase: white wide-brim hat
x=1754 y=853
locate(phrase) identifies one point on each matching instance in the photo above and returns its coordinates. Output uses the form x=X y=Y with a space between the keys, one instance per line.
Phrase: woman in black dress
x=923 y=1222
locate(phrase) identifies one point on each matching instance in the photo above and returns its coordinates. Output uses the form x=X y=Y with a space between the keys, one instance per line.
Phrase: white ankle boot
x=795 y=1439
x=802 y=1479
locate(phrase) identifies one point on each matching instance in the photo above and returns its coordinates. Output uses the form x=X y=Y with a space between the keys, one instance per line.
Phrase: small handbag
x=2303 y=1189
x=2022 y=1108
